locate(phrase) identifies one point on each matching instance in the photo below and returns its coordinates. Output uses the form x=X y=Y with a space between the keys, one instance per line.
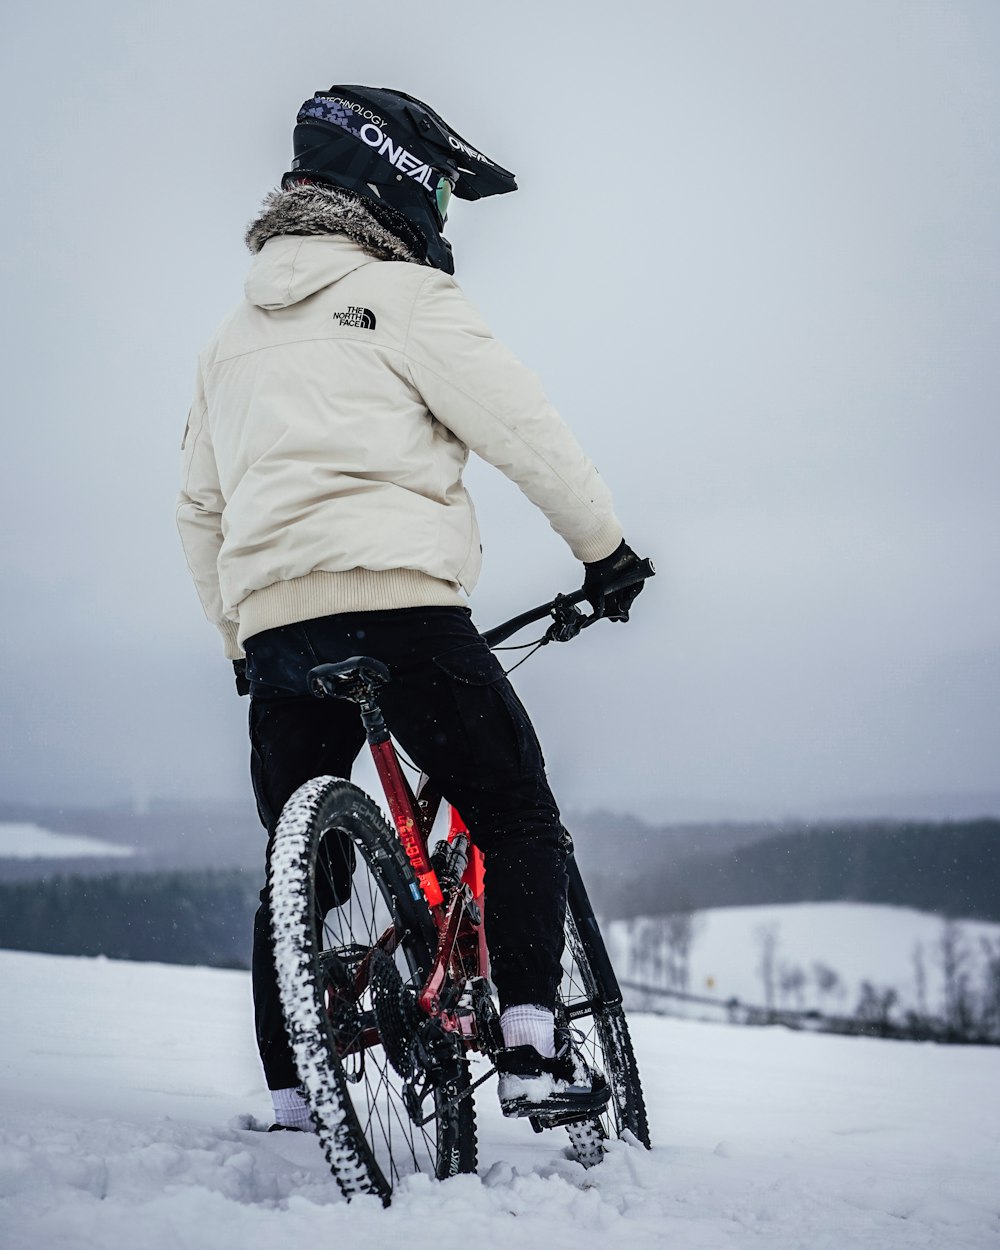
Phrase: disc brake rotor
x=343 y=1009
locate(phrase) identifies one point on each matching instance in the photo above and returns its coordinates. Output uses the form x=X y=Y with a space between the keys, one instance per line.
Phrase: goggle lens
x=443 y=196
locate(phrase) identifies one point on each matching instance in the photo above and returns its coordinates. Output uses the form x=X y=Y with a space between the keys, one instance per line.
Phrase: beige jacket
x=323 y=454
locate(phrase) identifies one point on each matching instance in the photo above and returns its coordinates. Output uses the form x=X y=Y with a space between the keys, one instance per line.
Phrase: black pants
x=455 y=714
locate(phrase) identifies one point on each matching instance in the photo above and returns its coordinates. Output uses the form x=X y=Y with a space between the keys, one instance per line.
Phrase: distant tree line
x=204 y=916
x=172 y=917
x=951 y=868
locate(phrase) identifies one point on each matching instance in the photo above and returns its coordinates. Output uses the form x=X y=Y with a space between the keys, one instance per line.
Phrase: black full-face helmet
x=392 y=149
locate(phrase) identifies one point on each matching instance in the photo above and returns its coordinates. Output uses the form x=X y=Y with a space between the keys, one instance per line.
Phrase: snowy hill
x=891 y=947
x=127 y=1089
x=27 y=840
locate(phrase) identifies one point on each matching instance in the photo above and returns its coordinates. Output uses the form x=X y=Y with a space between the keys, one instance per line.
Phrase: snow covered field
x=127 y=1088
x=859 y=941
x=25 y=840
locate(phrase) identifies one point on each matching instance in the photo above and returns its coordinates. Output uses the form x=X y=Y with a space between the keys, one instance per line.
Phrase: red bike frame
x=461 y=952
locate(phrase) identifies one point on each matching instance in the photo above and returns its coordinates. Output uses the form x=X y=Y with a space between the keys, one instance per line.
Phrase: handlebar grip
x=643 y=570
x=640 y=573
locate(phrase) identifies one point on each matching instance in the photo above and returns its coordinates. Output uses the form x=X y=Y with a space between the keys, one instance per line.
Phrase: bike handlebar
x=500 y=633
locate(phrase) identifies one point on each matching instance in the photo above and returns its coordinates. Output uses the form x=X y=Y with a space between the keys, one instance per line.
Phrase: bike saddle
x=358 y=679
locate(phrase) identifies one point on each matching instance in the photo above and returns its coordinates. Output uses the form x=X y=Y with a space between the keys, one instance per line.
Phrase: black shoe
x=553 y=1091
x=286 y=1128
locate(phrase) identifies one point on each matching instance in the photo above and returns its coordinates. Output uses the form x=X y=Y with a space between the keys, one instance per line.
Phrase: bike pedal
x=558 y=1119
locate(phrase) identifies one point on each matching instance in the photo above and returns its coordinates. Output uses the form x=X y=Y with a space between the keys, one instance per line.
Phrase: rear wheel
x=590 y=1001
x=353 y=940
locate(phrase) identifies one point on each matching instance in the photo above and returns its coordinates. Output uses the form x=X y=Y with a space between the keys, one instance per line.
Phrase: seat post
x=376 y=730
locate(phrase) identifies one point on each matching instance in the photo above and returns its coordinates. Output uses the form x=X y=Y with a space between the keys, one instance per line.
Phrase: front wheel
x=353 y=941
x=590 y=1000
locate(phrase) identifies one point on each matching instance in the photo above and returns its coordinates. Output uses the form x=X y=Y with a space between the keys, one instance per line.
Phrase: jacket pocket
x=473 y=665
x=278 y=662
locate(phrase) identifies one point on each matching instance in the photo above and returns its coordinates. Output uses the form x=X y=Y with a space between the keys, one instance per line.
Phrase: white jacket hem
x=355 y=590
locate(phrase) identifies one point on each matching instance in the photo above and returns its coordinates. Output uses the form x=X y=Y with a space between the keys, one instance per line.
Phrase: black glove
x=604 y=573
x=242 y=681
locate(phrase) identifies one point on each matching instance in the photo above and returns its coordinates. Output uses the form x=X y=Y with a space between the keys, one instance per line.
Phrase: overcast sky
x=753 y=259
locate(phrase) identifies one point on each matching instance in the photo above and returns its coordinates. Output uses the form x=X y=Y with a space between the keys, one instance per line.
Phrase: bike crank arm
x=453 y=1102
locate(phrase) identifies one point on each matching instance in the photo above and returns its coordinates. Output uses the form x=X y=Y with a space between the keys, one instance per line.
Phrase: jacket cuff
x=598 y=543
x=229 y=631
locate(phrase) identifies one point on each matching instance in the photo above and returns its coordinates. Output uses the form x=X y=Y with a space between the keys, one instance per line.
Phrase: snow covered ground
x=127 y=1088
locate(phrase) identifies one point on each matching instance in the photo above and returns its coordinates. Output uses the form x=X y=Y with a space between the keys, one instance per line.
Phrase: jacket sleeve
x=199 y=519
x=481 y=392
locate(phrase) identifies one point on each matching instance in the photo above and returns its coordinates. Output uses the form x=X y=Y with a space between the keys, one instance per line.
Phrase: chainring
x=487 y=1018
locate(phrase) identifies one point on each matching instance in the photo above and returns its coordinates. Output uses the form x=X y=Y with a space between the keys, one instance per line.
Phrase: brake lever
x=567 y=620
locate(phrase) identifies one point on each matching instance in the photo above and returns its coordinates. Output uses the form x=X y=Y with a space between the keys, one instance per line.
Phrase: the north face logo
x=359 y=318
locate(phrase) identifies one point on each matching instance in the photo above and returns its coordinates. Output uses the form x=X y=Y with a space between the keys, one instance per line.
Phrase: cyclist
x=323 y=516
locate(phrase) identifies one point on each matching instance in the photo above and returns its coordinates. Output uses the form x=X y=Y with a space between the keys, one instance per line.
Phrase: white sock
x=291 y=1109
x=528 y=1025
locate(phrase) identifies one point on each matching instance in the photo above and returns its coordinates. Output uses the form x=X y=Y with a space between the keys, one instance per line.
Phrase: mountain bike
x=383 y=968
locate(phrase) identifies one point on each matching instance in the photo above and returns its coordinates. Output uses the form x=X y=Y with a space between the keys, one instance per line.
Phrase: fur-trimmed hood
x=308 y=237
x=309 y=209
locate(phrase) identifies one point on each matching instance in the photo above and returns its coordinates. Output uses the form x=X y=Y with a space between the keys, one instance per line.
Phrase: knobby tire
x=355 y=1094
x=589 y=981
